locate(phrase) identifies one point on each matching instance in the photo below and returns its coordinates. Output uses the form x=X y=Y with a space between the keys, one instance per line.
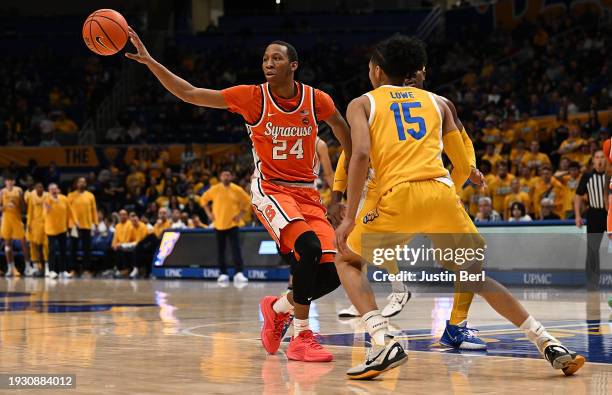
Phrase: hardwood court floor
x=188 y=337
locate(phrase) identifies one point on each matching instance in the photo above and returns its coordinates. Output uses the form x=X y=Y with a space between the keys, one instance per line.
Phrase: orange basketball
x=105 y=32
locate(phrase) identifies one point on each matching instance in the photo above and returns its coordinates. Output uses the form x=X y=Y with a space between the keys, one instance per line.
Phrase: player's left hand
x=342 y=233
x=477 y=178
x=335 y=213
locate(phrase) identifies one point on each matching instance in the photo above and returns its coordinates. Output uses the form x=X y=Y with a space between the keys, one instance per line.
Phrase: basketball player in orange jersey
x=281 y=118
x=12 y=206
x=400 y=131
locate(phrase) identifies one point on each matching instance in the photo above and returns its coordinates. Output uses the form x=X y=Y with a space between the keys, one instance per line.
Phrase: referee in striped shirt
x=594 y=185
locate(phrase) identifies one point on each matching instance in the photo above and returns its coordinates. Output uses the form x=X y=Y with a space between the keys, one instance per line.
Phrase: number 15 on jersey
x=402 y=110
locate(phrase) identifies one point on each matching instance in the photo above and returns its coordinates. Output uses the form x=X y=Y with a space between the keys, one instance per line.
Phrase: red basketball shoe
x=305 y=347
x=274 y=324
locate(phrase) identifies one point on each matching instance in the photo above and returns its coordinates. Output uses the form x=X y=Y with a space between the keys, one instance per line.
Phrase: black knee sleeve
x=326 y=280
x=308 y=247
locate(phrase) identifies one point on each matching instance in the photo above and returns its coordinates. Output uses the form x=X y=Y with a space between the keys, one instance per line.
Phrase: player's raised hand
x=141 y=55
x=342 y=233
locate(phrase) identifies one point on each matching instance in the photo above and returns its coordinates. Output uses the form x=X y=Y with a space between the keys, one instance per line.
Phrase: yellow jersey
x=406 y=137
x=83 y=206
x=57 y=214
x=35 y=208
x=11 y=202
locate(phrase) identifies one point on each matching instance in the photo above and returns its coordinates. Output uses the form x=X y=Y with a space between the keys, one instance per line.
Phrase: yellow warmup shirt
x=227 y=202
x=57 y=213
x=123 y=231
x=83 y=206
x=159 y=228
x=499 y=190
x=138 y=233
x=516 y=197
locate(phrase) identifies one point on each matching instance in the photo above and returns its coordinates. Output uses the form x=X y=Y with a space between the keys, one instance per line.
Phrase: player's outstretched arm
x=172 y=82
x=357 y=115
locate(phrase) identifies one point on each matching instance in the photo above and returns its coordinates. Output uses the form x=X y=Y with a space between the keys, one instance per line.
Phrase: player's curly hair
x=400 y=56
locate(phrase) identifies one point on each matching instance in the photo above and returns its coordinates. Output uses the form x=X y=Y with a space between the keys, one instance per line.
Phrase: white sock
x=537 y=334
x=398 y=286
x=377 y=327
x=299 y=326
x=282 y=305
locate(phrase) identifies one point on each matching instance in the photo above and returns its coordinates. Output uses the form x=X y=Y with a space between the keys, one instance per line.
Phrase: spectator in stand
x=571 y=181
x=140 y=257
x=571 y=147
x=196 y=222
x=58 y=217
x=516 y=155
x=188 y=156
x=546 y=186
x=534 y=158
x=176 y=221
x=519 y=214
x=500 y=187
x=134 y=132
x=516 y=195
x=162 y=223
x=121 y=246
x=52 y=175
x=547 y=209
x=63 y=124
x=164 y=200
x=229 y=204
x=83 y=206
x=492 y=157
x=486 y=212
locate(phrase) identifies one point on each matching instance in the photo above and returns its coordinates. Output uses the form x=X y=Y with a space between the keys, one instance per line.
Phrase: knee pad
x=308 y=247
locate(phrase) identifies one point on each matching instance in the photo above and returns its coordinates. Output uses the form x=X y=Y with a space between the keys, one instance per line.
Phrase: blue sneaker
x=461 y=337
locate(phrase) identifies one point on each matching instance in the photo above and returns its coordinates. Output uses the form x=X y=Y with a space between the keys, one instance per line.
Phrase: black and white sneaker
x=564 y=359
x=397 y=301
x=379 y=360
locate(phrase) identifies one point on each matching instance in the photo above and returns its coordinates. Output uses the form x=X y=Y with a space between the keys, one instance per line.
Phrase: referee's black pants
x=596 y=227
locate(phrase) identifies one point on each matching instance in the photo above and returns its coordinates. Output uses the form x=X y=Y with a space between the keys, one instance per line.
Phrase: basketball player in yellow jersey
x=400 y=295
x=39 y=247
x=12 y=205
x=400 y=132
x=456 y=334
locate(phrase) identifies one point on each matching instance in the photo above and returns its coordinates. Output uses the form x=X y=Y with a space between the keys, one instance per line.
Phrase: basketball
x=105 y=32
